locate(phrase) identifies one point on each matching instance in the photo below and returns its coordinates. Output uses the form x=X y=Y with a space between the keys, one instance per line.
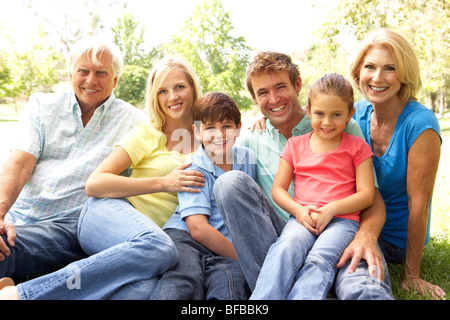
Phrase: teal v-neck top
x=391 y=167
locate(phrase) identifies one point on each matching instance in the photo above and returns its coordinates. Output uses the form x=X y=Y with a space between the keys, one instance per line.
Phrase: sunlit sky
x=281 y=25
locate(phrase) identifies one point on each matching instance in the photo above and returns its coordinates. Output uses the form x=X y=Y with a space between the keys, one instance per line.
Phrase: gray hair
x=95 y=47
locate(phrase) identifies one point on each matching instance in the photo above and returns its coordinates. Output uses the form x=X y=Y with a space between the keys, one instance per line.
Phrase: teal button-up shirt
x=268 y=146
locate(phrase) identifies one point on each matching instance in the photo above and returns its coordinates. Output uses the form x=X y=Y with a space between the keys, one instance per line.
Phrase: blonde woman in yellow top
x=120 y=225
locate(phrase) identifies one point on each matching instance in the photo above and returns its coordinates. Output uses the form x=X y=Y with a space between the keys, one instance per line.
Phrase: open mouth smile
x=90 y=90
x=175 y=107
x=280 y=108
x=378 y=89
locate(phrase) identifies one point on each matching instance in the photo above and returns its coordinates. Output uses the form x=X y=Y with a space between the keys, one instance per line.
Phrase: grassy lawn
x=435 y=267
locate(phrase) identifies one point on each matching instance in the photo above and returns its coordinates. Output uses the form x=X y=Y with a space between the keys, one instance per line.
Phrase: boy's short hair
x=216 y=107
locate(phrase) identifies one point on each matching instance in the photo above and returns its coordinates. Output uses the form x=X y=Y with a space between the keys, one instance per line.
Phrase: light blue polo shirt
x=268 y=146
x=203 y=202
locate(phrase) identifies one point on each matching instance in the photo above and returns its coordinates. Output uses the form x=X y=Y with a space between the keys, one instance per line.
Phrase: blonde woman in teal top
x=405 y=138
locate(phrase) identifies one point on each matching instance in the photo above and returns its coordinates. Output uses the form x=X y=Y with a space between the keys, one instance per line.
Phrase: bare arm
x=423 y=161
x=202 y=232
x=364 y=244
x=105 y=181
x=15 y=173
x=281 y=196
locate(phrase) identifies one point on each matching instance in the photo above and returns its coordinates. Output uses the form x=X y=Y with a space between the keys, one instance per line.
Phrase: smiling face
x=329 y=115
x=379 y=79
x=176 y=96
x=93 y=84
x=218 y=139
x=277 y=98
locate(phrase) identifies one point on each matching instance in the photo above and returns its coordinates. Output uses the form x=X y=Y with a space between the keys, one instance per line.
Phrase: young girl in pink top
x=334 y=181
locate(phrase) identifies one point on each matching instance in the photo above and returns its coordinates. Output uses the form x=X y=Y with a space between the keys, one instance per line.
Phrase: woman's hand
x=423 y=287
x=180 y=180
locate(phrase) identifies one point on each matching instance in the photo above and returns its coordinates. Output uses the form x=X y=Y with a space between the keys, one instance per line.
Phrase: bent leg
x=125 y=247
x=250 y=218
x=224 y=279
x=283 y=262
x=359 y=285
x=317 y=275
x=42 y=248
x=186 y=280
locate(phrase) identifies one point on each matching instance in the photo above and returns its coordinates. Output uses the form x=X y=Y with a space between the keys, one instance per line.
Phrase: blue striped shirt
x=51 y=129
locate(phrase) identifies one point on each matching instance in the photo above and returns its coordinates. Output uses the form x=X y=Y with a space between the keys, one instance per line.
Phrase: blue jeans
x=300 y=265
x=126 y=252
x=200 y=274
x=41 y=248
x=392 y=253
x=254 y=226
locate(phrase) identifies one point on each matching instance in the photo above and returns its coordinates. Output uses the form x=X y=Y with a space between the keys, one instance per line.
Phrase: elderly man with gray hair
x=64 y=137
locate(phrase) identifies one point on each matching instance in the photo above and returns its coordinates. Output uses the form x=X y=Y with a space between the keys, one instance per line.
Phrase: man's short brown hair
x=270 y=62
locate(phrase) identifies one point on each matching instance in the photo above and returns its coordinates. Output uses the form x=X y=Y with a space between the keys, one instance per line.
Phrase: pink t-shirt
x=326 y=177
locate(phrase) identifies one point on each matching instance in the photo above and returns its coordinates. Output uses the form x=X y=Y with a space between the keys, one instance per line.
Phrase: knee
x=158 y=247
x=231 y=182
x=359 y=285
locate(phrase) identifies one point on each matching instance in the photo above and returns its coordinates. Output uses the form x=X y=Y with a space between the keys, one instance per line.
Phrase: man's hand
x=359 y=249
x=8 y=229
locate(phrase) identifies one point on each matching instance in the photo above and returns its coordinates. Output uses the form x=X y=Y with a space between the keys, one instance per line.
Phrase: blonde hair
x=405 y=59
x=155 y=81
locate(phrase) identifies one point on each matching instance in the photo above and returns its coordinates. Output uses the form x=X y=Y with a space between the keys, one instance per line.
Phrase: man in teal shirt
x=254 y=222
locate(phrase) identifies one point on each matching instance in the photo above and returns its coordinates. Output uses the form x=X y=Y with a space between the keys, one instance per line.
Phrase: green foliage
x=218 y=58
x=38 y=68
x=423 y=23
x=129 y=36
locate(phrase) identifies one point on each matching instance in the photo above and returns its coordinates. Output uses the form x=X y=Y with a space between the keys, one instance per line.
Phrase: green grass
x=435 y=266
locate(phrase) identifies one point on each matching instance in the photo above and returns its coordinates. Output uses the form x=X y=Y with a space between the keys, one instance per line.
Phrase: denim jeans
x=200 y=274
x=301 y=265
x=41 y=248
x=126 y=252
x=254 y=226
x=392 y=253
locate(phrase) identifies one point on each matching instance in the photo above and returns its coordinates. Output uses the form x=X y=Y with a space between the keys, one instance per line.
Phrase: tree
x=424 y=23
x=36 y=68
x=129 y=36
x=218 y=58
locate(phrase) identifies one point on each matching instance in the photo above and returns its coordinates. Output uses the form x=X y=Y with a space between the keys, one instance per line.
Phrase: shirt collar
x=303 y=127
x=105 y=105
x=201 y=159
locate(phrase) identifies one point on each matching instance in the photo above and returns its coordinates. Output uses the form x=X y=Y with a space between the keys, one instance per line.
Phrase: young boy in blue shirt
x=207 y=265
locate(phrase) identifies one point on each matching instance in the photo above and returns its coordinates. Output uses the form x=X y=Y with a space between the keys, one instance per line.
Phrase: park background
x=219 y=38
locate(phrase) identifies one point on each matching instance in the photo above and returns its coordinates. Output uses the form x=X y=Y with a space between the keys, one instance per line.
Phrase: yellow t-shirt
x=146 y=147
